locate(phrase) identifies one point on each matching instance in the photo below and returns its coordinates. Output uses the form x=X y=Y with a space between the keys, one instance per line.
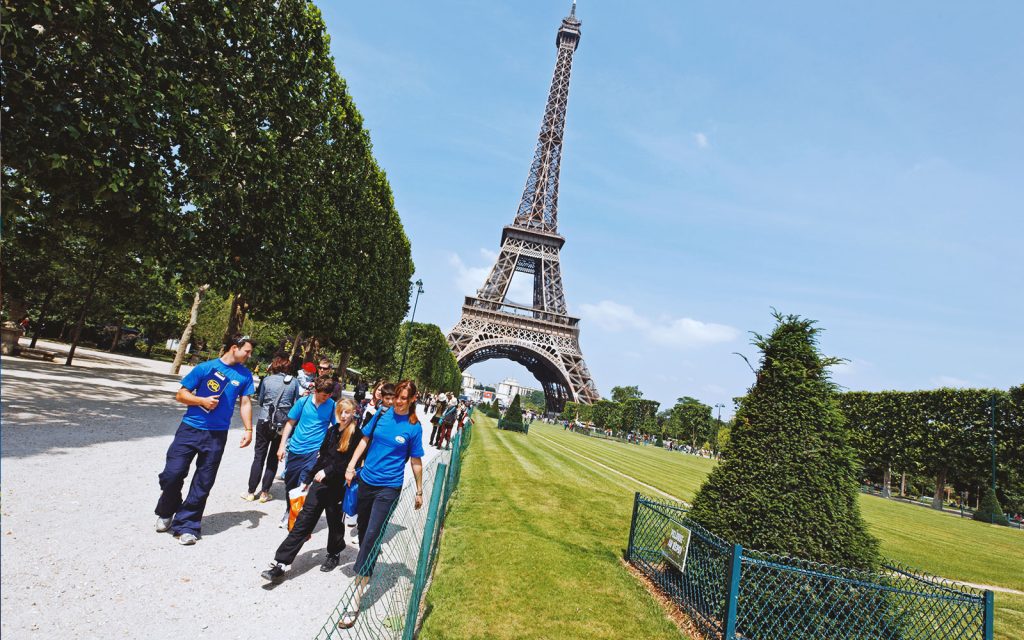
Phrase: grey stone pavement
x=80 y=450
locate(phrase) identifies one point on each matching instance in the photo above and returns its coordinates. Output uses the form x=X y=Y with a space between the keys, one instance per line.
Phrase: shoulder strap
x=279 y=396
x=376 y=419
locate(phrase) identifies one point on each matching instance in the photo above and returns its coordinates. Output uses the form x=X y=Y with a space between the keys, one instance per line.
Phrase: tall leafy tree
x=788 y=480
x=86 y=146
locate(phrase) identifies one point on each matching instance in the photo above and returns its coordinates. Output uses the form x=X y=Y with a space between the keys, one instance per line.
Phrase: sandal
x=266 y=497
x=348 y=620
x=248 y=497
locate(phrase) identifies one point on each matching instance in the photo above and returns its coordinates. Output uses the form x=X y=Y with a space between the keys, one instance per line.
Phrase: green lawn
x=531 y=549
x=941 y=544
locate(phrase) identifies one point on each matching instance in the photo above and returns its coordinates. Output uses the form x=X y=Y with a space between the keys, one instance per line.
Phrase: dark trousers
x=445 y=437
x=322 y=498
x=372 y=515
x=434 y=430
x=296 y=468
x=208 y=448
x=267 y=442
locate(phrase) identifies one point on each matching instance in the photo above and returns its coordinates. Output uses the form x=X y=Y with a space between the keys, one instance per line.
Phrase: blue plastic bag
x=351 y=500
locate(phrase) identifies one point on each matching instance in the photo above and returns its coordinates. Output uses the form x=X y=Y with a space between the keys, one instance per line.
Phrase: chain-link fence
x=389 y=603
x=734 y=593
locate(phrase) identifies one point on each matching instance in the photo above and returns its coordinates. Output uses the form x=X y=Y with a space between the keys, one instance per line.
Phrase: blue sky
x=861 y=164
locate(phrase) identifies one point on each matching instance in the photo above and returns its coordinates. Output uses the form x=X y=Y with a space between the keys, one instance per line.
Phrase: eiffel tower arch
x=541 y=336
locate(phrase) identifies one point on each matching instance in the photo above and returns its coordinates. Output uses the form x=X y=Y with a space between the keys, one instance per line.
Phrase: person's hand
x=246 y=439
x=305 y=487
x=320 y=475
x=419 y=501
x=280 y=452
x=350 y=475
x=209 y=402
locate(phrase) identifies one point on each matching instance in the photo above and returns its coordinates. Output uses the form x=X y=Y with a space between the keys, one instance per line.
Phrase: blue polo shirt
x=393 y=440
x=311 y=423
x=214 y=378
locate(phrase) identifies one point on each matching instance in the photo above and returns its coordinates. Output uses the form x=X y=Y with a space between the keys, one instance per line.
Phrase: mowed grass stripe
x=536 y=557
x=941 y=544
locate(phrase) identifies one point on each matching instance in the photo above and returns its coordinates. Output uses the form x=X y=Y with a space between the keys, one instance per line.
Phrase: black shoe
x=274 y=573
x=330 y=563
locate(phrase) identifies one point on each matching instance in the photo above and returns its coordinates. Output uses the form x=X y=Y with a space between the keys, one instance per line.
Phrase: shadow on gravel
x=47 y=406
x=220 y=522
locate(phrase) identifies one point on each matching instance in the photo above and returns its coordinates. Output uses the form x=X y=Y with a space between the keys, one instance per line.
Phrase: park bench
x=36 y=354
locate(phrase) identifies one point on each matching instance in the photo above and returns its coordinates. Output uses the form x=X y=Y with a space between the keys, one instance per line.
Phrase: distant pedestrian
x=359 y=392
x=435 y=420
x=326 y=492
x=209 y=391
x=308 y=421
x=306 y=376
x=392 y=438
x=278 y=393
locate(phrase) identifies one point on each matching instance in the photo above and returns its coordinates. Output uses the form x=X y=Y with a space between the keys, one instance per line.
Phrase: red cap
x=309 y=367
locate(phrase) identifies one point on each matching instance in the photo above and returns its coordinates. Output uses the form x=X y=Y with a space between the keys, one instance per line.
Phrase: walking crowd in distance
x=332 y=447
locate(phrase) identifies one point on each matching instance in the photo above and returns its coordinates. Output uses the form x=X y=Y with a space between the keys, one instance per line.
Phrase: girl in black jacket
x=325 y=494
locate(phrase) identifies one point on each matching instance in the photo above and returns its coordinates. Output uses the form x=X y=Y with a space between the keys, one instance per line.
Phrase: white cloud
x=702 y=139
x=470 y=278
x=950 y=381
x=678 y=333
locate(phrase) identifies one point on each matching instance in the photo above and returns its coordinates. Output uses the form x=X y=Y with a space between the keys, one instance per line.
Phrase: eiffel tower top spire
x=538 y=208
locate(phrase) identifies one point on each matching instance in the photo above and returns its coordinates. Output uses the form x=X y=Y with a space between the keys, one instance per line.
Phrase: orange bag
x=296 y=498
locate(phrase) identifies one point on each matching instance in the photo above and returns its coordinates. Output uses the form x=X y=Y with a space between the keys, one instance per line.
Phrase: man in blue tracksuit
x=209 y=391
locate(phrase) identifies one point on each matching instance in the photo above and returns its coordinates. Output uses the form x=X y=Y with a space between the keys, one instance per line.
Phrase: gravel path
x=81 y=450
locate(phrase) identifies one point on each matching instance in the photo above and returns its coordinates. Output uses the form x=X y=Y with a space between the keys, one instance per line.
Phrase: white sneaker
x=187 y=539
x=163 y=524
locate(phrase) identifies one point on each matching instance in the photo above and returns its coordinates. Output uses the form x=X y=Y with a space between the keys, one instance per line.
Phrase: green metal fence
x=734 y=593
x=405 y=555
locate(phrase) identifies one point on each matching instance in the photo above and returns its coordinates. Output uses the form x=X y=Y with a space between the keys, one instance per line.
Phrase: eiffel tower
x=543 y=337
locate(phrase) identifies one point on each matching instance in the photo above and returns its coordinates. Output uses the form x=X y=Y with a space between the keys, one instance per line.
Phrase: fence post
x=632 y=527
x=989 y=622
x=421 y=564
x=733 y=594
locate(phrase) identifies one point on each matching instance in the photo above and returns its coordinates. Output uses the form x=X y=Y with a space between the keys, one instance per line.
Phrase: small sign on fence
x=676 y=546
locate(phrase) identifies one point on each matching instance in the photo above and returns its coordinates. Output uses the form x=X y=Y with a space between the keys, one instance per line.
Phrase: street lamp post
x=408 y=332
x=718 y=427
x=992 y=443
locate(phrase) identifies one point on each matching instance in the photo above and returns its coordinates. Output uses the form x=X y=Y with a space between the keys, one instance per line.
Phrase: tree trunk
x=236 y=317
x=295 y=345
x=85 y=309
x=117 y=336
x=149 y=348
x=42 y=315
x=940 y=489
x=886 y=481
x=343 y=368
x=903 y=484
x=186 y=335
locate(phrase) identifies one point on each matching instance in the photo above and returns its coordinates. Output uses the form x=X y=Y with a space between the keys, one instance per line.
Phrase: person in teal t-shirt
x=390 y=439
x=308 y=421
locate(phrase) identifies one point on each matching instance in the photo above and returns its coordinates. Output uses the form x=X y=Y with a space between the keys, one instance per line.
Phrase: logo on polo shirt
x=400 y=439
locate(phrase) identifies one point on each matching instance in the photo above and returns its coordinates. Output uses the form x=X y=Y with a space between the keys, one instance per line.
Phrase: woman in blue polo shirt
x=390 y=439
x=308 y=421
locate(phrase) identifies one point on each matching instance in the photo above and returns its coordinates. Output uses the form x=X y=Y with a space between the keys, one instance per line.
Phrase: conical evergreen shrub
x=989 y=509
x=787 y=483
x=513 y=420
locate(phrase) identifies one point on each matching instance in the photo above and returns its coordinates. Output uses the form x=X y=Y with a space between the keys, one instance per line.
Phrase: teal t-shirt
x=393 y=440
x=311 y=423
